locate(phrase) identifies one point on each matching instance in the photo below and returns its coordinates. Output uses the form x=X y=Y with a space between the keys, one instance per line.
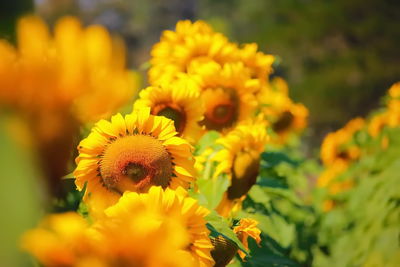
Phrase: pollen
x=135 y=163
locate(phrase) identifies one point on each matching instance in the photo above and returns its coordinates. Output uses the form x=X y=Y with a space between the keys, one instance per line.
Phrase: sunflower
x=133 y=233
x=179 y=101
x=131 y=153
x=245 y=229
x=260 y=64
x=240 y=160
x=336 y=146
x=172 y=205
x=44 y=73
x=227 y=93
x=286 y=117
x=377 y=123
x=58 y=240
x=191 y=42
x=58 y=82
x=394 y=90
x=390 y=116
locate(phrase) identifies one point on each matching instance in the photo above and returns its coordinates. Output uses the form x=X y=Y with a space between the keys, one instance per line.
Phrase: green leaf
x=206 y=141
x=272 y=159
x=259 y=195
x=212 y=190
x=219 y=225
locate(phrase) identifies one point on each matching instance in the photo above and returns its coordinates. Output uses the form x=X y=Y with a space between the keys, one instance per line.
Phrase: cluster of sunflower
x=359 y=225
x=188 y=150
x=344 y=147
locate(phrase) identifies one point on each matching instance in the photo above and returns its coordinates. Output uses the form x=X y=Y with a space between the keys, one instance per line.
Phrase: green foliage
x=20 y=194
x=364 y=227
x=220 y=226
x=279 y=204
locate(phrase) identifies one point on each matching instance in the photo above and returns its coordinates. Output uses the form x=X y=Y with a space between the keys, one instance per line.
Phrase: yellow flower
x=330 y=173
x=191 y=42
x=391 y=116
x=286 y=117
x=394 y=90
x=260 y=64
x=240 y=160
x=155 y=229
x=247 y=228
x=131 y=153
x=170 y=205
x=335 y=146
x=227 y=93
x=59 y=240
x=81 y=71
x=179 y=101
x=377 y=123
x=58 y=82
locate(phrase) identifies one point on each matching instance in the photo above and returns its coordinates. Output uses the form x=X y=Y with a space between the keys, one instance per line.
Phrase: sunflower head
x=240 y=159
x=46 y=75
x=286 y=117
x=132 y=153
x=227 y=93
x=260 y=64
x=168 y=206
x=135 y=163
x=179 y=101
x=337 y=147
x=189 y=43
x=394 y=91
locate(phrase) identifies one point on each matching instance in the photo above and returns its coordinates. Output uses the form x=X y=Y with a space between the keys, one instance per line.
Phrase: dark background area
x=339 y=57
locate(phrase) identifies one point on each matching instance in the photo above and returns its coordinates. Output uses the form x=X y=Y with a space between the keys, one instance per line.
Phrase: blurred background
x=339 y=57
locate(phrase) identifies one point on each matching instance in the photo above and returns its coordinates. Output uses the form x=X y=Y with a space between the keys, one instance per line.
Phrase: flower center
x=135 y=163
x=283 y=122
x=173 y=112
x=244 y=174
x=221 y=108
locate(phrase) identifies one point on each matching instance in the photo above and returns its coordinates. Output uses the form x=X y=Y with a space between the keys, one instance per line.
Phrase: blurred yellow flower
x=59 y=240
x=179 y=101
x=337 y=147
x=245 y=229
x=190 y=42
x=158 y=228
x=390 y=117
x=79 y=70
x=171 y=205
x=58 y=82
x=131 y=153
x=285 y=116
x=331 y=172
x=260 y=64
x=240 y=160
x=394 y=90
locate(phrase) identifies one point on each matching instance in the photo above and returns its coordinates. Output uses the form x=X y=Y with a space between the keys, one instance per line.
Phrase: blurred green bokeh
x=9 y=13
x=20 y=193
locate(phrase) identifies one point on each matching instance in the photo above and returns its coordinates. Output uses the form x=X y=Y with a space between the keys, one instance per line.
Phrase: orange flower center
x=284 y=122
x=173 y=112
x=221 y=108
x=135 y=163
